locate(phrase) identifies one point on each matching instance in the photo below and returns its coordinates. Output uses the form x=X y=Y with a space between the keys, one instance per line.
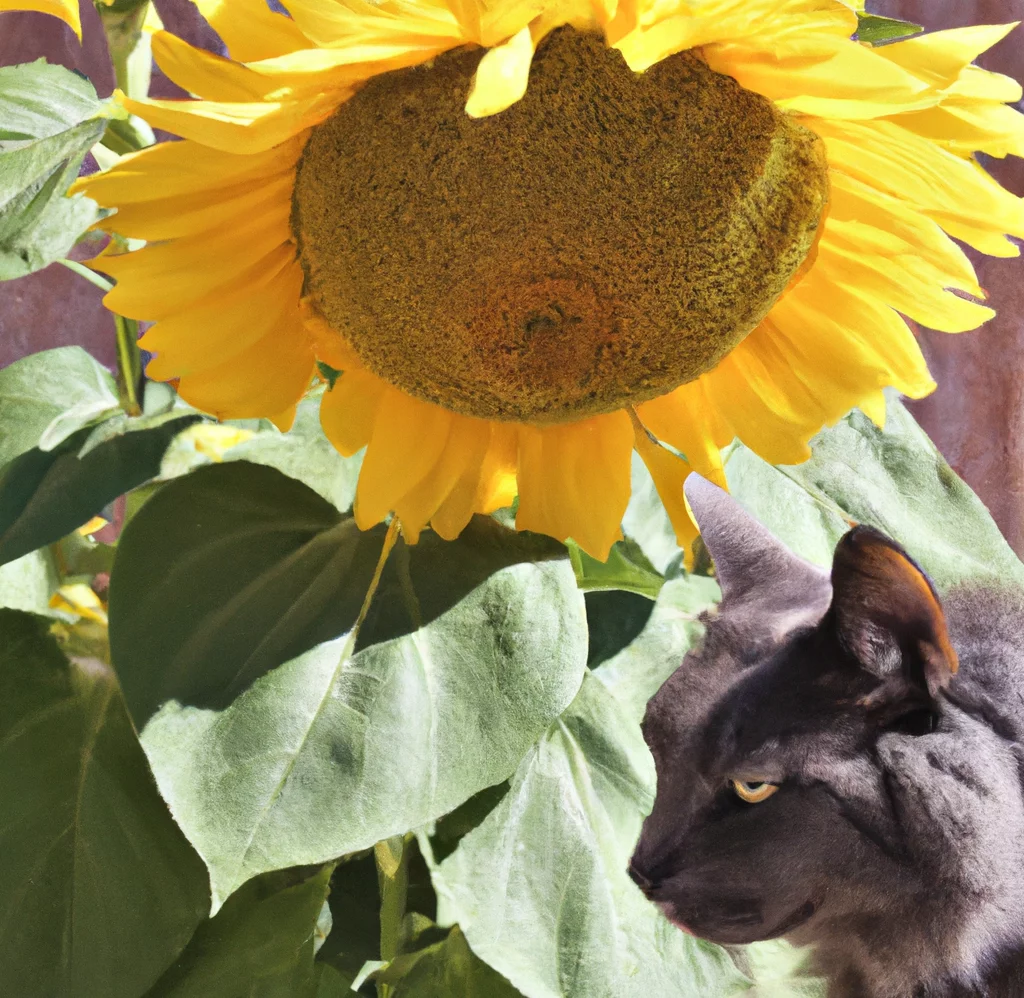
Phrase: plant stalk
x=90 y=275
x=392 y=857
x=129 y=364
x=132 y=58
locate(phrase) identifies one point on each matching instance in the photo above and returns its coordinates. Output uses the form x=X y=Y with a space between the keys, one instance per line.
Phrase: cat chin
x=732 y=937
x=668 y=910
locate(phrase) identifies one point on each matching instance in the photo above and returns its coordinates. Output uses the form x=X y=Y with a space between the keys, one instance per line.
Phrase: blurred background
x=976 y=417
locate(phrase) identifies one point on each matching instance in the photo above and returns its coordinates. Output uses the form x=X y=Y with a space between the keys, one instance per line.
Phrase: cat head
x=800 y=752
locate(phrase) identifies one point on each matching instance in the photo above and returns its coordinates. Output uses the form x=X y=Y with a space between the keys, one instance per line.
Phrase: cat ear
x=887 y=613
x=748 y=558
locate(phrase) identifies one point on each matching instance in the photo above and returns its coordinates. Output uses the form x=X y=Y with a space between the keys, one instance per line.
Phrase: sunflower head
x=605 y=239
x=535 y=236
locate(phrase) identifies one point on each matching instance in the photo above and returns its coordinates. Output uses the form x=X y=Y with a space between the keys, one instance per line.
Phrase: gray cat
x=841 y=764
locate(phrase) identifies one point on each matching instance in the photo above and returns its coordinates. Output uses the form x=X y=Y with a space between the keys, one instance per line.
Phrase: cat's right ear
x=888 y=615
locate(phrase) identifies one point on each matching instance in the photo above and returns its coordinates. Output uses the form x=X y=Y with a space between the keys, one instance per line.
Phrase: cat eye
x=751 y=792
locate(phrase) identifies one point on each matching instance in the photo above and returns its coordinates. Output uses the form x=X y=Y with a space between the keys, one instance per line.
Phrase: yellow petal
x=502 y=76
x=172 y=169
x=349 y=410
x=972 y=127
x=214 y=330
x=975 y=83
x=464 y=450
x=266 y=379
x=574 y=480
x=687 y=420
x=669 y=471
x=161 y=218
x=880 y=264
x=208 y=75
x=889 y=158
x=333 y=24
x=95 y=524
x=236 y=127
x=938 y=57
x=162 y=278
x=482 y=489
x=408 y=438
x=469 y=14
x=66 y=10
x=251 y=30
x=79 y=599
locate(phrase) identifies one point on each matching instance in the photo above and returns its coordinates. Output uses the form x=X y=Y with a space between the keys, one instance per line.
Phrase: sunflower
x=535 y=235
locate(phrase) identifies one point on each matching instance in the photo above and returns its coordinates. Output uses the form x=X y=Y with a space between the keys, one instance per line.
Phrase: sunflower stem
x=129 y=363
x=90 y=275
x=392 y=856
x=131 y=56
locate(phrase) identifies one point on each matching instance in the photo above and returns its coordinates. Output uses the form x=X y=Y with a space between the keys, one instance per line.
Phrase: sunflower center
x=607 y=238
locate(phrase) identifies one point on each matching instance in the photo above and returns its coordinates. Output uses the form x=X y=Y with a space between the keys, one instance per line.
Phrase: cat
x=840 y=764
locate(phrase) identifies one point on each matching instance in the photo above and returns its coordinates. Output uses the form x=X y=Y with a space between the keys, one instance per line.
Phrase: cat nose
x=640 y=879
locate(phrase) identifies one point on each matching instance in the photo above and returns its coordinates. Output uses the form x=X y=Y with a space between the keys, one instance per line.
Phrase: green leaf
x=260 y=944
x=779 y=970
x=234 y=569
x=455 y=825
x=875 y=30
x=305 y=454
x=355 y=912
x=38 y=100
x=331 y=983
x=540 y=888
x=614 y=618
x=444 y=970
x=334 y=751
x=47 y=494
x=99 y=890
x=330 y=374
x=637 y=672
x=27 y=583
x=627 y=568
x=47 y=396
x=51 y=117
x=896 y=481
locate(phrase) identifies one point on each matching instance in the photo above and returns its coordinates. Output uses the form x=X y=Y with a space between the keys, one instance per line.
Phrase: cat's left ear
x=887 y=613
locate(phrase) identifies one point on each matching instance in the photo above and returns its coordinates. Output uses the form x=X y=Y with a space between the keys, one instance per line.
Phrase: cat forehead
x=743 y=689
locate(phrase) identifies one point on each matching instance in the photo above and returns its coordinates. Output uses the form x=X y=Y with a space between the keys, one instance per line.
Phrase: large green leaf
x=894 y=480
x=260 y=944
x=47 y=494
x=50 y=119
x=305 y=454
x=27 y=583
x=337 y=749
x=636 y=673
x=614 y=618
x=38 y=100
x=236 y=568
x=47 y=396
x=98 y=888
x=540 y=887
x=448 y=969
